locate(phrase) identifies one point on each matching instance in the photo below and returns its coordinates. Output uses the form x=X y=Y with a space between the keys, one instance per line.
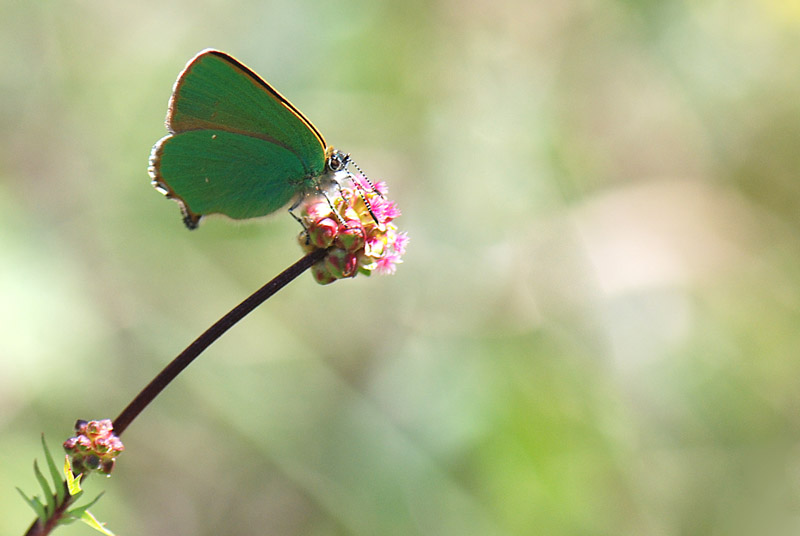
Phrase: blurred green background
x=595 y=330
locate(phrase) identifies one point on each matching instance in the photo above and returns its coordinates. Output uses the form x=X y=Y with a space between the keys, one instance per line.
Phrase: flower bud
x=95 y=447
x=341 y=264
x=321 y=274
x=351 y=237
x=322 y=233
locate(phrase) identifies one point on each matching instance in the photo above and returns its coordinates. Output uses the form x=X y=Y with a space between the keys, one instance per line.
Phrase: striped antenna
x=364 y=176
x=360 y=189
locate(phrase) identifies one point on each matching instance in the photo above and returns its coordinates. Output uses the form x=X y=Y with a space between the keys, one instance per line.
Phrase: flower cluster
x=94 y=448
x=355 y=222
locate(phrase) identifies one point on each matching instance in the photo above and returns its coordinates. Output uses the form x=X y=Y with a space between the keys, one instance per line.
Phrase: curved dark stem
x=213 y=333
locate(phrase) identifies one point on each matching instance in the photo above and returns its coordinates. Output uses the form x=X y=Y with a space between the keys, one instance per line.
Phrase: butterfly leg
x=344 y=200
x=321 y=191
x=298 y=219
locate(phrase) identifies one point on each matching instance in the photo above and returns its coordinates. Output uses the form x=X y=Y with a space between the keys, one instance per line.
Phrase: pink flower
x=95 y=447
x=355 y=222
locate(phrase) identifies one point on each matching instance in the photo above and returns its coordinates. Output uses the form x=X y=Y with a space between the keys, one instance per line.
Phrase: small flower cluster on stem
x=94 y=448
x=356 y=224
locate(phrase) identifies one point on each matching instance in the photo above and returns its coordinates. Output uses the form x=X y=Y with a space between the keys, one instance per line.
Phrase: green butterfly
x=236 y=146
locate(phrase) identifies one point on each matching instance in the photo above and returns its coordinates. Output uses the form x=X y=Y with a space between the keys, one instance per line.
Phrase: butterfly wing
x=221 y=172
x=237 y=147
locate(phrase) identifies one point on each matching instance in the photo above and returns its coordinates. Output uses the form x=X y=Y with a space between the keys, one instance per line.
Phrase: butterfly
x=236 y=146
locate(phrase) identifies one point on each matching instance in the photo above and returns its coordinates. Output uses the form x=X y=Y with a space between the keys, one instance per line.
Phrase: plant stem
x=213 y=333
x=42 y=528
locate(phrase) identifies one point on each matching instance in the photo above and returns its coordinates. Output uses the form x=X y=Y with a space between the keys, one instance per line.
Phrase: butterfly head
x=337 y=160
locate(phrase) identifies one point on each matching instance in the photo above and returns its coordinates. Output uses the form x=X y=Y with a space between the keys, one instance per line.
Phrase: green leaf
x=92 y=521
x=48 y=494
x=57 y=482
x=78 y=511
x=36 y=504
x=73 y=482
x=67 y=519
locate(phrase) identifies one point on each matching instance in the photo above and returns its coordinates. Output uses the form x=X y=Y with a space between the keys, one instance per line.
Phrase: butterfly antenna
x=360 y=188
x=364 y=177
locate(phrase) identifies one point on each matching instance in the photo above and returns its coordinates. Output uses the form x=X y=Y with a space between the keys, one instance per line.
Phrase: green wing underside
x=237 y=147
x=217 y=92
x=220 y=172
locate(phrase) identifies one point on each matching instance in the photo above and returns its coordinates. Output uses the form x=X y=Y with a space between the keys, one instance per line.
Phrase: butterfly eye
x=338 y=161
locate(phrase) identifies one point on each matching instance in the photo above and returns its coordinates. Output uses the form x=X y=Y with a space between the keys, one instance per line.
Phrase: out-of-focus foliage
x=595 y=330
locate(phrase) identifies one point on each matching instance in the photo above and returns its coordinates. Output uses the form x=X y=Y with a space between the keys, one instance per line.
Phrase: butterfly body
x=235 y=145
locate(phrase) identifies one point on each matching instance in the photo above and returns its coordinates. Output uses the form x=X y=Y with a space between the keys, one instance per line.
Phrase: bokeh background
x=595 y=330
